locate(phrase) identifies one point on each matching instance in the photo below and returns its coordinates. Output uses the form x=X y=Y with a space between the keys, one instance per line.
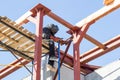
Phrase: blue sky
x=72 y=11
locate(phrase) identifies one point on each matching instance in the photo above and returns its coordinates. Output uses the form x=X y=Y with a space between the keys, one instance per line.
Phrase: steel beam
x=28 y=17
x=94 y=17
x=69 y=59
x=97 y=43
x=60 y=20
x=14 y=63
x=38 y=45
x=100 y=13
x=77 y=38
x=97 y=52
x=9 y=69
x=97 y=48
x=31 y=13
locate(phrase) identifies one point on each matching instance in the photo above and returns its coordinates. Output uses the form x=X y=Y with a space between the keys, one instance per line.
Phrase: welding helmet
x=54 y=28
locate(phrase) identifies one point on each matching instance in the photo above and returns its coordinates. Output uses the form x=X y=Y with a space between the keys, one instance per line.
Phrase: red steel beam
x=60 y=20
x=105 y=11
x=92 y=67
x=111 y=44
x=97 y=52
x=94 y=41
x=68 y=59
x=14 y=63
x=100 y=13
x=77 y=38
x=32 y=12
x=28 y=16
x=38 y=45
x=97 y=48
x=8 y=70
x=94 y=17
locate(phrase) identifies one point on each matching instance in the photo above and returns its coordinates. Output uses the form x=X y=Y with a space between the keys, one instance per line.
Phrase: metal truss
x=79 y=62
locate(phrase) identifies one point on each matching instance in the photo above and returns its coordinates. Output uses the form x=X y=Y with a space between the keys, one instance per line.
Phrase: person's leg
x=51 y=63
x=51 y=53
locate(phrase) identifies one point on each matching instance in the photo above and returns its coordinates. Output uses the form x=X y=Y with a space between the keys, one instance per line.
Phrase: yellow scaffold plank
x=18 y=38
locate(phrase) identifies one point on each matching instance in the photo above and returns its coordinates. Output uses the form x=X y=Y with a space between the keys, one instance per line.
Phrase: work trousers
x=51 y=52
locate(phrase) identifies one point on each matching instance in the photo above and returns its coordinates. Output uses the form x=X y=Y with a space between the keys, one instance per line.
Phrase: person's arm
x=46 y=33
x=57 y=39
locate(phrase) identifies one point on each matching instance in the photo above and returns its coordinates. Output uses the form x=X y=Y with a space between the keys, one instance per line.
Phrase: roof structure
x=23 y=43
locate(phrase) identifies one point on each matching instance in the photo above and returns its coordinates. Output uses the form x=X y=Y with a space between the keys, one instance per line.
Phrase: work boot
x=51 y=68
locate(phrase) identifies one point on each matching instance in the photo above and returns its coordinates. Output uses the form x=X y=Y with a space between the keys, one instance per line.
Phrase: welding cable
x=18 y=59
x=32 y=70
x=59 y=60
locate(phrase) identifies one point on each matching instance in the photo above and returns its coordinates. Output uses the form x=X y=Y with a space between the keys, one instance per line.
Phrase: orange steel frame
x=78 y=32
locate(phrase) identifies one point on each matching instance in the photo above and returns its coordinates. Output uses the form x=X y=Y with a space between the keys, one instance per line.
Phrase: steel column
x=76 y=61
x=77 y=38
x=63 y=56
x=38 y=45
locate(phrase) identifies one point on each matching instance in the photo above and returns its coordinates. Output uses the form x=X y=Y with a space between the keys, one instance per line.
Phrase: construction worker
x=49 y=32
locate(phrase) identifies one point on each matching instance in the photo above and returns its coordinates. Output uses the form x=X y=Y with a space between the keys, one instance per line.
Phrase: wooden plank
x=17 y=36
x=9 y=43
x=1 y=38
x=7 y=37
x=30 y=48
x=18 y=41
x=10 y=33
x=3 y=31
x=23 y=47
x=3 y=28
x=20 y=29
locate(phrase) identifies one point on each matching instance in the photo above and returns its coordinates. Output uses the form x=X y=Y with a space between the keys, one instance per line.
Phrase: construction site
x=30 y=50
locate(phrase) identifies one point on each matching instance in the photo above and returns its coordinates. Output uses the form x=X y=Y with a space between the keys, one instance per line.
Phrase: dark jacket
x=47 y=33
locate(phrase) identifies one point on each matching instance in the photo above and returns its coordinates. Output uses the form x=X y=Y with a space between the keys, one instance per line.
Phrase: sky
x=72 y=11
